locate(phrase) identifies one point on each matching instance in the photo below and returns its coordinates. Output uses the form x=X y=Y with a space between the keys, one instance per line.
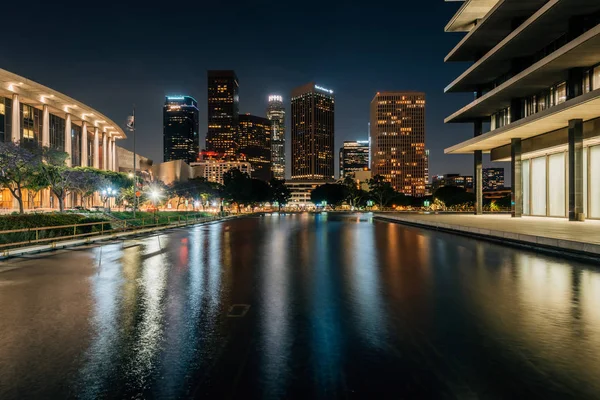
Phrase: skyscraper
x=312 y=133
x=180 y=129
x=398 y=140
x=255 y=144
x=276 y=114
x=493 y=178
x=223 y=111
x=354 y=156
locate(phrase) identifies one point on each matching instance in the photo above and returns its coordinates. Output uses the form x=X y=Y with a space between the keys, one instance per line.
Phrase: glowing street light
x=106 y=195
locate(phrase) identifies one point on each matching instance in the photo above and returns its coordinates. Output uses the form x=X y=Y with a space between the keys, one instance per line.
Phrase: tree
x=18 y=165
x=36 y=183
x=87 y=181
x=381 y=191
x=333 y=194
x=280 y=193
x=453 y=196
x=260 y=192
x=237 y=187
x=58 y=175
x=356 y=196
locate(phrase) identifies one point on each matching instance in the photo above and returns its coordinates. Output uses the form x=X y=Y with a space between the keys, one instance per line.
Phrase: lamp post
x=106 y=195
x=154 y=195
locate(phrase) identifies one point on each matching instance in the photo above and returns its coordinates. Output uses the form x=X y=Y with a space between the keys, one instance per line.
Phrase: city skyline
x=110 y=77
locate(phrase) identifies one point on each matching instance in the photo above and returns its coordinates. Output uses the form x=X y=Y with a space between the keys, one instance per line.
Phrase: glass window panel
x=538 y=186
x=526 y=196
x=556 y=185
x=596 y=78
x=594 y=181
x=585 y=181
x=561 y=93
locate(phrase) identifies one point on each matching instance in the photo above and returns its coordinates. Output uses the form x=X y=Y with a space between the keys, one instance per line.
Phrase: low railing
x=46 y=234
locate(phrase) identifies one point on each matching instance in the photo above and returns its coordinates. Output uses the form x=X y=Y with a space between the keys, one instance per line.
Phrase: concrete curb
x=19 y=251
x=557 y=247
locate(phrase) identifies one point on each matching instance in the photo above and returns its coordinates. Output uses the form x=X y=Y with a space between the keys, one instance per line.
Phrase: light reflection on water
x=338 y=305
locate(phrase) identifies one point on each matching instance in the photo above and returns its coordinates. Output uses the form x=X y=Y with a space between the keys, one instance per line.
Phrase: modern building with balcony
x=32 y=112
x=535 y=75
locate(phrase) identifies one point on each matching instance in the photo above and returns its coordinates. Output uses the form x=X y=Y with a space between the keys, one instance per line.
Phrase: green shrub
x=25 y=221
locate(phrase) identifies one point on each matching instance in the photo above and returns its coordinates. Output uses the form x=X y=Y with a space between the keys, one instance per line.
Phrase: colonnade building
x=535 y=76
x=33 y=112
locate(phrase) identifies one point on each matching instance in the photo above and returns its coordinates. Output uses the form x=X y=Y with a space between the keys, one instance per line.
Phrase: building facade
x=276 y=114
x=31 y=112
x=213 y=170
x=354 y=156
x=223 y=111
x=255 y=144
x=535 y=74
x=300 y=193
x=313 y=110
x=180 y=129
x=398 y=140
x=493 y=179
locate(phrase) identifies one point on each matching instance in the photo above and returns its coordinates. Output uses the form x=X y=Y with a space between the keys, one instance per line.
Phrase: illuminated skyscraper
x=398 y=140
x=180 y=129
x=276 y=114
x=223 y=111
x=312 y=133
x=255 y=144
x=354 y=156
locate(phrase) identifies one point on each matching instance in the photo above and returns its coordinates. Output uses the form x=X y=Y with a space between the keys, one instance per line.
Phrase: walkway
x=548 y=233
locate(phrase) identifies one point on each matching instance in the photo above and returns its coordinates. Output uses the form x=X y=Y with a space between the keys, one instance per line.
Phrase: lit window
x=2 y=110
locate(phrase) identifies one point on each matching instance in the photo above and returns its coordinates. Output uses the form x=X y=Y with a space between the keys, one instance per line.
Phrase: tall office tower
x=354 y=156
x=493 y=178
x=180 y=129
x=312 y=133
x=398 y=140
x=255 y=144
x=223 y=112
x=276 y=114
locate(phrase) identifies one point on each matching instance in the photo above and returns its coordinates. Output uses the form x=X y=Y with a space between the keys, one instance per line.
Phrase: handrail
x=121 y=226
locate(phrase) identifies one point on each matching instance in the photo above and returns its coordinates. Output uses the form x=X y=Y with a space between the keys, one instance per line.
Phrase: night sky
x=111 y=55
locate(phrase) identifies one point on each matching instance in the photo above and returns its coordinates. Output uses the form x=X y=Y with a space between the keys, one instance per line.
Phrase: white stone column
x=109 y=164
x=45 y=127
x=15 y=134
x=105 y=151
x=96 y=160
x=84 y=144
x=68 y=146
x=114 y=155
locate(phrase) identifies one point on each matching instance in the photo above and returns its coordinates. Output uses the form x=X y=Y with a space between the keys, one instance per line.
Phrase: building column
x=576 y=170
x=68 y=146
x=45 y=127
x=478 y=171
x=15 y=134
x=114 y=155
x=516 y=192
x=104 y=151
x=84 y=144
x=109 y=160
x=96 y=155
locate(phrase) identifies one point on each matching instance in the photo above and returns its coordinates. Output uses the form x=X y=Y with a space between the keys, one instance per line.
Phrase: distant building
x=255 y=144
x=354 y=156
x=300 y=191
x=493 y=178
x=180 y=129
x=465 y=182
x=313 y=125
x=276 y=114
x=398 y=140
x=223 y=111
x=213 y=169
x=362 y=178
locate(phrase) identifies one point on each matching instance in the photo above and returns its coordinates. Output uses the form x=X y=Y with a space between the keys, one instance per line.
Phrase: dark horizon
x=138 y=55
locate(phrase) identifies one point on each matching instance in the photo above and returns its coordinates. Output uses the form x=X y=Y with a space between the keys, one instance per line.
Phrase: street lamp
x=154 y=195
x=106 y=195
